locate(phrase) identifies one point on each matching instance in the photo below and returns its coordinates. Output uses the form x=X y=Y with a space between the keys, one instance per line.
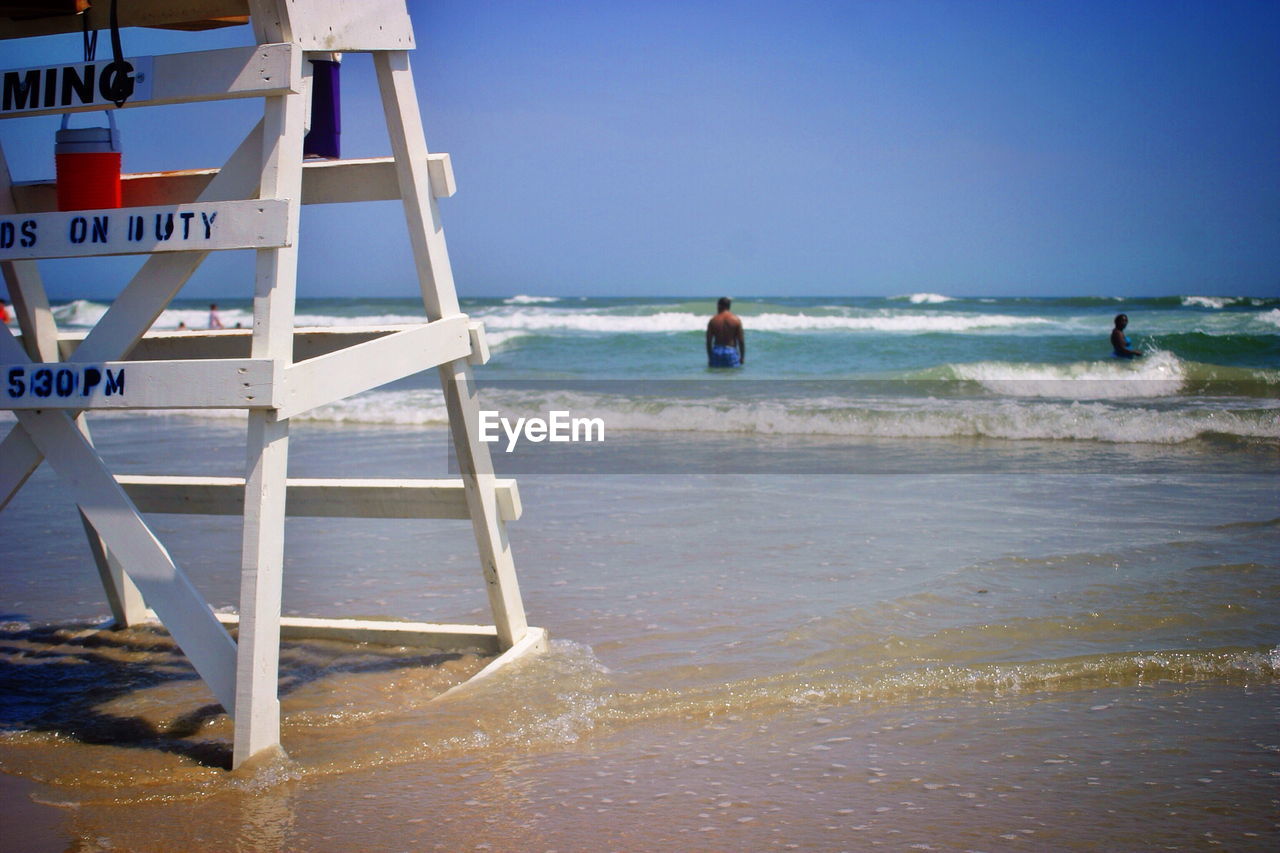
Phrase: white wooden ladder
x=274 y=371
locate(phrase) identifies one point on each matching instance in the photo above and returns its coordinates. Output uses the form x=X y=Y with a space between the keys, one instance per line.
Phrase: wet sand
x=28 y=824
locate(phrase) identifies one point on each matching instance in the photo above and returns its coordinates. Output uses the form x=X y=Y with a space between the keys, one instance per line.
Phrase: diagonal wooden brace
x=166 y=589
x=55 y=437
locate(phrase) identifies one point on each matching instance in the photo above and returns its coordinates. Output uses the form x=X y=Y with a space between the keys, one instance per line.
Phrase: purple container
x=322 y=139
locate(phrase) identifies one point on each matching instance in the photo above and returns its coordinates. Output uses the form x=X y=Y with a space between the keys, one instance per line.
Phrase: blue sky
x=827 y=148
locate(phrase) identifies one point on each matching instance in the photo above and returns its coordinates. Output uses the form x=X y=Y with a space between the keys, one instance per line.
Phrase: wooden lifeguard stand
x=274 y=371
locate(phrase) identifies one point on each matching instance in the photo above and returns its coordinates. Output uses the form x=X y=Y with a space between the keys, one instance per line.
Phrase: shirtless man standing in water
x=726 y=345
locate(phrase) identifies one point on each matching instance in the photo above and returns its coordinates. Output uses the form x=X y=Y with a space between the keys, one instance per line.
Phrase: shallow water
x=968 y=645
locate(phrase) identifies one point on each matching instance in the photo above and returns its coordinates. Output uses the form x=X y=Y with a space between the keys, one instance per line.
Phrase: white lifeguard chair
x=274 y=371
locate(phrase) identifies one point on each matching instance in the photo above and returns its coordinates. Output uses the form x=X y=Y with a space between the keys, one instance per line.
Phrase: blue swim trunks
x=722 y=356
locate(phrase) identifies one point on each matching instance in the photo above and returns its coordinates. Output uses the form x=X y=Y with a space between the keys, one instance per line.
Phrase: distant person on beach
x=215 y=322
x=726 y=345
x=1119 y=341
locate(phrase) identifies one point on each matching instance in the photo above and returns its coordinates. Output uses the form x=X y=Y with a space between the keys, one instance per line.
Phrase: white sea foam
x=669 y=321
x=1272 y=317
x=191 y=319
x=85 y=313
x=499 y=339
x=925 y=298
x=897 y=417
x=1160 y=374
x=79 y=312
x=198 y=318
x=417 y=407
x=893 y=322
x=522 y=299
x=1211 y=301
x=1004 y=419
x=905 y=417
x=361 y=320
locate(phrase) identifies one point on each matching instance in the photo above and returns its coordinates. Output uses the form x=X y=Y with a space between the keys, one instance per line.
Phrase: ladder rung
x=323 y=182
x=383 y=631
x=308 y=342
x=317 y=498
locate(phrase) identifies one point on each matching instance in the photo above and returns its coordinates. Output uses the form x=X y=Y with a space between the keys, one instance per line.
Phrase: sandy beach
x=930 y=654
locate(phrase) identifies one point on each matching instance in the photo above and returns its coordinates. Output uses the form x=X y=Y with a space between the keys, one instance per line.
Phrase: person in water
x=1119 y=341
x=726 y=345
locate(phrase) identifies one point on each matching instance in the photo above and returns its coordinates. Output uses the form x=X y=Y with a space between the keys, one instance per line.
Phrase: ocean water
x=928 y=573
x=918 y=366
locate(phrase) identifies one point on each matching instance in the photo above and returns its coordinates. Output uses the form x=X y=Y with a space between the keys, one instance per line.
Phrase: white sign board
x=61 y=87
x=224 y=383
x=207 y=227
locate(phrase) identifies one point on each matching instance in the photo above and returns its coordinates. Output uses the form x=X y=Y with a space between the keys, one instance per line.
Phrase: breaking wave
x=1100 y=420
x=669 y=322
x=925 y=298
x=523 y=299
